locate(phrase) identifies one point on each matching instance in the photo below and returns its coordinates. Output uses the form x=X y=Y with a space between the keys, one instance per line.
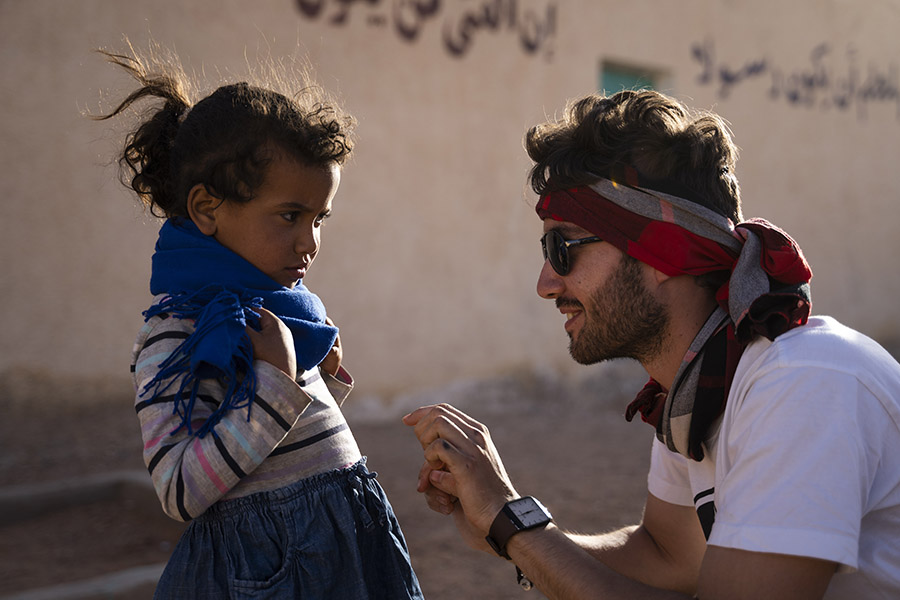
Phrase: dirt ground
x=565 y=444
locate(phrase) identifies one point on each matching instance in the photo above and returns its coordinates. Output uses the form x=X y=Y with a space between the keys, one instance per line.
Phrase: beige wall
x=430 y=262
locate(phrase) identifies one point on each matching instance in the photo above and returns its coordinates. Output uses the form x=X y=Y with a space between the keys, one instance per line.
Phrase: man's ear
x=659 y=276
x=656 y=281
x=201 y=207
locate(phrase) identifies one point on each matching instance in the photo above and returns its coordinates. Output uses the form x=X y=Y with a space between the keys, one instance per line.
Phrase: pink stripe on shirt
x=207 y=468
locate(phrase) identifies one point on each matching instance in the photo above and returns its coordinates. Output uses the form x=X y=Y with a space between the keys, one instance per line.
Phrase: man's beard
x=623 y=320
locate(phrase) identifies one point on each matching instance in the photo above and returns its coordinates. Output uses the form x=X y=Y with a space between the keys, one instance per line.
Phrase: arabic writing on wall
x=828 y=81
x=462 y=21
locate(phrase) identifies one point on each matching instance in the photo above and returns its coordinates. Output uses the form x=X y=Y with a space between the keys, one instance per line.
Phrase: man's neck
x=689 y=308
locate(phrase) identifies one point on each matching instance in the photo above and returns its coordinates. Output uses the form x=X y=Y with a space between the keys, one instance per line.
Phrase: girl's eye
x=290 y=217
x=321 y=218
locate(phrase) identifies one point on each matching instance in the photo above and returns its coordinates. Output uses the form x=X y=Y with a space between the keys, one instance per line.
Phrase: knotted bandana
x=206 y=282
x=766 y=293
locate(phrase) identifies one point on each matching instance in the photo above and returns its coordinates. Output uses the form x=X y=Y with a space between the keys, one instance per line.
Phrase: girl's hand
x=274 y=343
x=332 y=362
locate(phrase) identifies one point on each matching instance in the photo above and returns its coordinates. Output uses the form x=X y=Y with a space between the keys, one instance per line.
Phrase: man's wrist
x=522 y=547
x=517 y=515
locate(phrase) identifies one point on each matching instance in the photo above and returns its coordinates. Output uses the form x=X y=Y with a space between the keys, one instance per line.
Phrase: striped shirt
x=292 y=430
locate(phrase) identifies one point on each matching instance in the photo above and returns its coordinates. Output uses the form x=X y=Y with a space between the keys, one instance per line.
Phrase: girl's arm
x=191 y=473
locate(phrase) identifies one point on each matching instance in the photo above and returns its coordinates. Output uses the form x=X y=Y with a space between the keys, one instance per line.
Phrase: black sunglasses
x=556 y=249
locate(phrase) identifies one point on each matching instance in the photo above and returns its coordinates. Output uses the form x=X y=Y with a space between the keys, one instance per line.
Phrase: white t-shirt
x=806 y=461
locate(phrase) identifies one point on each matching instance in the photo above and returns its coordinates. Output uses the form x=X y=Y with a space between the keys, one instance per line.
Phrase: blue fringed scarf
x=208 y=283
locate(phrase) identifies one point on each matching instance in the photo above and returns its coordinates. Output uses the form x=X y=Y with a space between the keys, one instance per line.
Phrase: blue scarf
x=206 y=282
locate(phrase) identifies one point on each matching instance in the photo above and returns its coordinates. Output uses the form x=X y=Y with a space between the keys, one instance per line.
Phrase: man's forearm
x=568 y=566
x=633 y=552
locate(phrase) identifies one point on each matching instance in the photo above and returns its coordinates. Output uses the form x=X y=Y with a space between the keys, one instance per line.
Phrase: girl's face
x=280 y=229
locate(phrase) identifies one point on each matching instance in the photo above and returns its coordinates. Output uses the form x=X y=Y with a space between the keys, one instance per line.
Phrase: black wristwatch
x=517 y=515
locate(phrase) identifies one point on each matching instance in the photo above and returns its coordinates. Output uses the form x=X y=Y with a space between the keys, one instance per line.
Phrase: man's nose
x=549 y=285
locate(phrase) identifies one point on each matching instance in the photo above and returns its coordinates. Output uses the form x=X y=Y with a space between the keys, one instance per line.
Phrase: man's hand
x=463 y=474
x=332 y=362
x=274 y=343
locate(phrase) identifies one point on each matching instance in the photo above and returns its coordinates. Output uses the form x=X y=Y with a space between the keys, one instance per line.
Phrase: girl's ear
x=201 y=207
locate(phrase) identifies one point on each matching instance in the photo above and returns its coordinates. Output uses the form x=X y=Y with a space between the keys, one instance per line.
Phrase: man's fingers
x=462 y=417
x=433 y=411
x=442 y=452
x=443 y=481
x=439 y=501
x=440 y=425
x=425 y=473
x=445 y=421
x=413 y=418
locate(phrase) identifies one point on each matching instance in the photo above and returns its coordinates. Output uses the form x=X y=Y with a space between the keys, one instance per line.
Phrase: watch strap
x=507 y=523
x=523 y=580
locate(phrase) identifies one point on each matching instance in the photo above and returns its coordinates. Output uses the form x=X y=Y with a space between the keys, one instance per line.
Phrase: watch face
x=529 y=511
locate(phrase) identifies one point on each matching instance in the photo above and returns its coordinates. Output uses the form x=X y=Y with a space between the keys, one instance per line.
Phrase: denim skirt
x=332 y=536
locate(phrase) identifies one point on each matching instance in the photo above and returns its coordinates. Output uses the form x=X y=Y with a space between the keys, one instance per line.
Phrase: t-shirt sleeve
x=793 y=474
x=668 y=479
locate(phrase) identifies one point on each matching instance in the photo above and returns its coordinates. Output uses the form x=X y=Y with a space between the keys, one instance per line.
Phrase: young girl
x=237 y=369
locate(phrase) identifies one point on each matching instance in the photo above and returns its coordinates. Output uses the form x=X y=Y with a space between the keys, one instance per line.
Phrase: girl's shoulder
x=159 y=329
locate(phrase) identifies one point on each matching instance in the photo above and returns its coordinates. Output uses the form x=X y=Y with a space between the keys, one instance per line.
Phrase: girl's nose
x=549 y=285
x=307 y=242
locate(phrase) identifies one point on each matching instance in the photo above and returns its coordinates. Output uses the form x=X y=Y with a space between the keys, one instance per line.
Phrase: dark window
x=615 y=77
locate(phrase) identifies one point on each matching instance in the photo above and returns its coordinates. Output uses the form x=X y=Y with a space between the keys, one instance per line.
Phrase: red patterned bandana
x=767 y=292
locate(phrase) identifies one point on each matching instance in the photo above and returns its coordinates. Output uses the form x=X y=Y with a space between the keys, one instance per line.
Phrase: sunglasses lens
x=554 y=248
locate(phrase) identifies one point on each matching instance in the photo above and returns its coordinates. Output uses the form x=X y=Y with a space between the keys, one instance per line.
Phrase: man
x=776 y=468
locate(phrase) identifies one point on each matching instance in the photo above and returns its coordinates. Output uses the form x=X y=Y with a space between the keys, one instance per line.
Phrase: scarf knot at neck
x=220 y=291
x=649 y=402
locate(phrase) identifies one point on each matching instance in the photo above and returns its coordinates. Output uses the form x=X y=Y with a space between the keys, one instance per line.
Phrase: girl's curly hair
x=225 y=141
